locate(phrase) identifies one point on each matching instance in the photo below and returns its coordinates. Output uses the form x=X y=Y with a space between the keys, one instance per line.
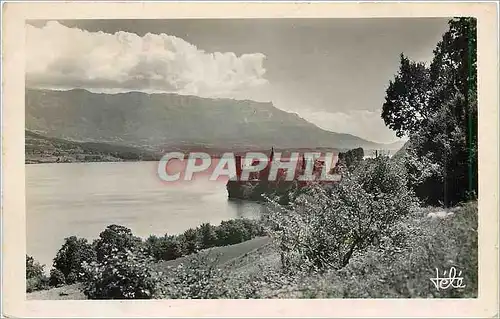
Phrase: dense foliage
x=56 y=278
x=119 y=264
x=399 y=265
x=35 y=277
x=436 y=107
x=124 y=268
x=323 y=227
x=350 y=159
x=403 y=263
x=114 y=239
x=70 y=257
x=121 y=274
x=198 y=278
x=205 y=236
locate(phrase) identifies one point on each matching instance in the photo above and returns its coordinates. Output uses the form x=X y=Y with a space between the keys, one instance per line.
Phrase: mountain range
x=163 y=121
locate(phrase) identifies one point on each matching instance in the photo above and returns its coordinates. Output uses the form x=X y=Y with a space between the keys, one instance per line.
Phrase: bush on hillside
x=70 y=257
x=35 y=277
x=33 y=267
x=232 y=232
x=122 y=274
x=405 y=261
x=199 y=278
x=207 y=235
x=56 y=278
x=351 y=158
x=116 y=238
x=325 y=226
x=190 y=242
x=203 y=237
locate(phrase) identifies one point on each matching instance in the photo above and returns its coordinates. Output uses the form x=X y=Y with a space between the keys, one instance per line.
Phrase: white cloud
x=362 y=123
x=59 y=57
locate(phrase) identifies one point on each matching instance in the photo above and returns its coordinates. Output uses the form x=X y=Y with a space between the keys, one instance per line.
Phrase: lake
x=81 y=199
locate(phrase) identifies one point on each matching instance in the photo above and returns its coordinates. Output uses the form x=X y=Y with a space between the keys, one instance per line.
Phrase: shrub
x=37 y=283
x=116 y=238
x=207 y=236
x=204 y=237
x=33 y=267
x=238 y=230
x=164 y=248
x=70 y=257
x=35 y=277
x=56 y=278
x=403 y=263
x=199 y=278
x=351 y=158
x=153 y=248
x=232 y=232
x=189 y=241
x=171 y=248
x=324 y=227
x=122 y=275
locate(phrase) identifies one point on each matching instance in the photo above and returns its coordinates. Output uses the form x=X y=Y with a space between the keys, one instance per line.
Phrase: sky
x=331 y=72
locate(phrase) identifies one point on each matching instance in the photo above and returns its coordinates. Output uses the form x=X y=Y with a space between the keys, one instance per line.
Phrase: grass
x=68 y=292
x=226 y=253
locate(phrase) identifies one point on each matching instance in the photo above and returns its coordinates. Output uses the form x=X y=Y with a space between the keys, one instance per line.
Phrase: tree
x=35 y=277
x=33 y=267
x=454 y=81
x=189 y=241
x=351 y=158
x=164 y=248
x=324 y=227
x=56 y=278
x=153 y=246
x=125 y=274
x=116 y=238
x=70 y=257
x=437 y=108
x=406 y=101
x=231 y=232
x=207 y=236
x=171 y=248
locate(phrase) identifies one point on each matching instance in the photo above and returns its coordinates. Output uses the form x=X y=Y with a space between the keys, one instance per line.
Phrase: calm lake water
x=81 y=199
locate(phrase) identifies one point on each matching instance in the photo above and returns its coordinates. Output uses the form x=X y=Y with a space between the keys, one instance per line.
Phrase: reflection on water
x=246 y=209
x=81 y=199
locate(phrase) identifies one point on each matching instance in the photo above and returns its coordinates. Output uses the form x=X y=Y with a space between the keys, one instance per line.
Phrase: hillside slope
x=42 y=149
x=161 y=121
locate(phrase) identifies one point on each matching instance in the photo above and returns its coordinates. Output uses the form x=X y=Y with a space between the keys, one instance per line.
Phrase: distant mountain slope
x=41 y=149
x=160 y=121
x=401 y=153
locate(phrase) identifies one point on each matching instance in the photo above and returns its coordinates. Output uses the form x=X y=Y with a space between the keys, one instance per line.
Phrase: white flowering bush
x=123 y=269
x=122 y=275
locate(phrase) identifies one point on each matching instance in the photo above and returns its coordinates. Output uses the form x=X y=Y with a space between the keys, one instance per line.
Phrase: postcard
x=250 y=159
